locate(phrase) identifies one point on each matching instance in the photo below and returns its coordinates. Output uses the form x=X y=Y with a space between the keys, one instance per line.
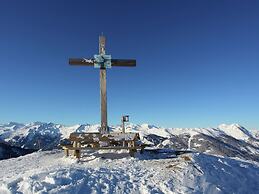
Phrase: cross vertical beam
x=102 y=61
x=103 y=90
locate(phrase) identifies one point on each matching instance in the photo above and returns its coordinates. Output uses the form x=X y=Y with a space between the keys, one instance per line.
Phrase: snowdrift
x=51 y=172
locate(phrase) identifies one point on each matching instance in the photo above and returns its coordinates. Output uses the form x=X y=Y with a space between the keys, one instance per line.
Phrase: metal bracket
x=102 y=61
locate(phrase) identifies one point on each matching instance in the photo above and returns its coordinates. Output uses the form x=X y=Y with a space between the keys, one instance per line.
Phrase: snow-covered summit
x=223 y=159
x=236 y=131
x=51 y=172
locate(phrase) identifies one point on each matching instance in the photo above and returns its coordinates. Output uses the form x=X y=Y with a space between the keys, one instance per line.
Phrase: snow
x=235 y=131
x=51 y=172
x=255 y=133
x=12 y=130
x=65 y=131
x=146 y=129
x=116 y=172
x=225 y=172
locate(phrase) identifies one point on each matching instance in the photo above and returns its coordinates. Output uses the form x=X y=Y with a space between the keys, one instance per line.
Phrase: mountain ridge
x=212 y=161
x=225 y=140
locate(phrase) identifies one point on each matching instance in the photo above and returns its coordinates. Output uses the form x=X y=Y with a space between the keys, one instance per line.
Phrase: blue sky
x=197 y=61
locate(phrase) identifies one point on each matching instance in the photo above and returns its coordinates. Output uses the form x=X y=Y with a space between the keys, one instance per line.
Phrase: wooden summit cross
x=103 y=61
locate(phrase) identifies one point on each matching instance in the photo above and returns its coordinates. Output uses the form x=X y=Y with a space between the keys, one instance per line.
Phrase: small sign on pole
x=125 y=118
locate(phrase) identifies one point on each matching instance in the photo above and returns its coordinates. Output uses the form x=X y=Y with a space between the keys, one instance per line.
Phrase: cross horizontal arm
x=124 y=62
x=82 y=61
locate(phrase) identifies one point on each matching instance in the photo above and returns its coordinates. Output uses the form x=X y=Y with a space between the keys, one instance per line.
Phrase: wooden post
x=103 y=93
x=103 y=89
x=78 y=154
x=74 y=146
x=66 y=152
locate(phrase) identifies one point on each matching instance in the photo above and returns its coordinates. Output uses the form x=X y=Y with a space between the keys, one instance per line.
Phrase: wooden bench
x=97 y=141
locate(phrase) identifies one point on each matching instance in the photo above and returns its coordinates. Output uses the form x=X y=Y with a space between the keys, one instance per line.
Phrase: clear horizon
x=197 y=62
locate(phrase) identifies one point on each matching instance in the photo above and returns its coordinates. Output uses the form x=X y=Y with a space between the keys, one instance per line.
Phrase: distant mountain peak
x=235 y=130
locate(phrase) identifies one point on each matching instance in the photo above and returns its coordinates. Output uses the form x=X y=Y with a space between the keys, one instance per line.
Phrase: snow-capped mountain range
x=225 y=140
x=224 y=159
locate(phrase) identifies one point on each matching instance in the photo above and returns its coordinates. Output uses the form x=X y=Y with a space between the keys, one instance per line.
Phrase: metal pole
x=123 y=126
